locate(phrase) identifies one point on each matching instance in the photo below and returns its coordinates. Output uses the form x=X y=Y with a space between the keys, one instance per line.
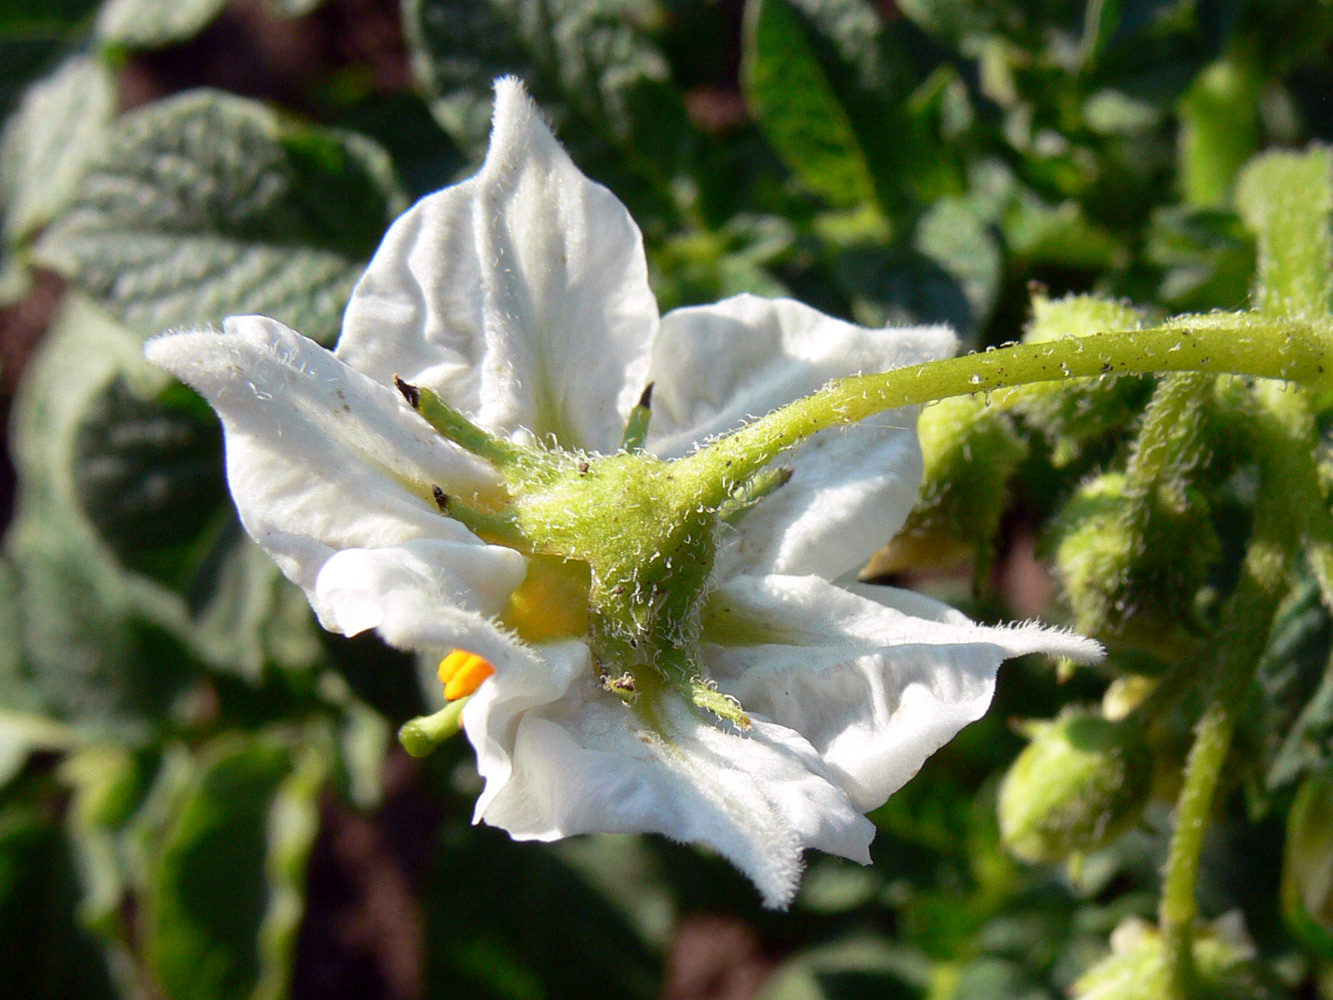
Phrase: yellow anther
x=462 y=672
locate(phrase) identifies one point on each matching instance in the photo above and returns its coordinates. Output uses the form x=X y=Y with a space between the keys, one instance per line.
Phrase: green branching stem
x=1169 y=447
x=1305 y=494
x=1248 y=622
x=1243 y=344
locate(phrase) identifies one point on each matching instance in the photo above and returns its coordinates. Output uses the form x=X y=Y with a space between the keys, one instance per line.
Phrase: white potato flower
x=648 y=640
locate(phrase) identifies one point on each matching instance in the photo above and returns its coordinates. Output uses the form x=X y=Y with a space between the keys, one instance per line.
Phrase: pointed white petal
x=583 y=762
x=321 y=459
x=877 y=679
x=521 y=295
x=851 y=488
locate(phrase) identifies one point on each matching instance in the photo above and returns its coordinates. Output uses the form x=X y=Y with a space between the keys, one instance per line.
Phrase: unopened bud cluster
x=1225 y=965
x=1080 y=783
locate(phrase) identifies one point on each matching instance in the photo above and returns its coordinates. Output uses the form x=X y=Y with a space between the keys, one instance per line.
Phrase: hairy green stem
x=1298 y=454
x=1245 y=344
x=1249 y=619
x=1169 y=447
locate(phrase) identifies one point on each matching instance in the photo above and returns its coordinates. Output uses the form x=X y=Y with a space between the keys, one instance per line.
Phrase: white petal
x=877 y=679
x=322 y=459
x=521 y=295
x=851 y=488
x=360 y=589
x=417 y=311
x=583 y=762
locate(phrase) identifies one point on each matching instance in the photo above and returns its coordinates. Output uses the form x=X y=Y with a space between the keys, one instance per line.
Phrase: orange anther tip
x=468 y=678
x=453 y=663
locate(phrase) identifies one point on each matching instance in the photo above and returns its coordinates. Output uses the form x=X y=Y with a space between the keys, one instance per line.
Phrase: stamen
x=501 y=528
x=462 y=672
x=705 y=695
x=452 y=424
x=761 y=484
x=636 y=427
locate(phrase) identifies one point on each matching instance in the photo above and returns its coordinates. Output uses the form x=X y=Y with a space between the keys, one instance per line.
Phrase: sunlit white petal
x=851 y=488
x=877 y=679
x=320 y=458
x=521 y=294
x=584 y=762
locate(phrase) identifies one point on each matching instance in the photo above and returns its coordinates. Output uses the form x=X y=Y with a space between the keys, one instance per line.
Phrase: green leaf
x=1207 y=256
x=953 y=20
x=292 y=828
x=1219 y=120
x=793 y=94
x=108 y=783
x=151 y=483
x=952 y=234
x=130 y=565
x=592 y=67
x=48 y=142
x=210 y=890
x=11 y=645
x=43 y=951
x=21 y=734
x=206 y=205
x=490 y=932
x=859 y=967
x=87 y=655
x=360 y=739
x=1289 y=726
x=459 y=48
x=1307 y=866
x=294 y=8
x=1061 y=234
x=1285 y=199
x=33 y=35
x=149 y=24
x=949 y=273
x=150 y=477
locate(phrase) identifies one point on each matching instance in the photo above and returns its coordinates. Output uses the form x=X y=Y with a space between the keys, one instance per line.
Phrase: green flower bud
x=1078 y=416
x=1125 y=694
x=1224 y=960
x=1078 y=785
x=1133 y=566
x=971 y=451
x=1307 y=867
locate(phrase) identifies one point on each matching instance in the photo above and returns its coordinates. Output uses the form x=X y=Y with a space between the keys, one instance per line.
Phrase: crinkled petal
x=582 y=762
x=877 y=679
x=322 y=459
x=851 y=488
x=520 y=295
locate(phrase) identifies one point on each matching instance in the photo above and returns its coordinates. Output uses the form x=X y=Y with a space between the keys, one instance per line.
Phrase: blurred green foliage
x=183 y=754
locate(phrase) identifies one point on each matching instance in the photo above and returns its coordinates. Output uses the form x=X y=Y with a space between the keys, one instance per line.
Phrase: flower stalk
x=1248 y=344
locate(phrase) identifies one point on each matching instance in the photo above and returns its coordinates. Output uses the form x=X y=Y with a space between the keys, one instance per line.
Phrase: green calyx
x=646 y=530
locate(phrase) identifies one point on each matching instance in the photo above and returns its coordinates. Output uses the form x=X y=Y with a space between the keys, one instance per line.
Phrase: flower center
x=620 y=550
